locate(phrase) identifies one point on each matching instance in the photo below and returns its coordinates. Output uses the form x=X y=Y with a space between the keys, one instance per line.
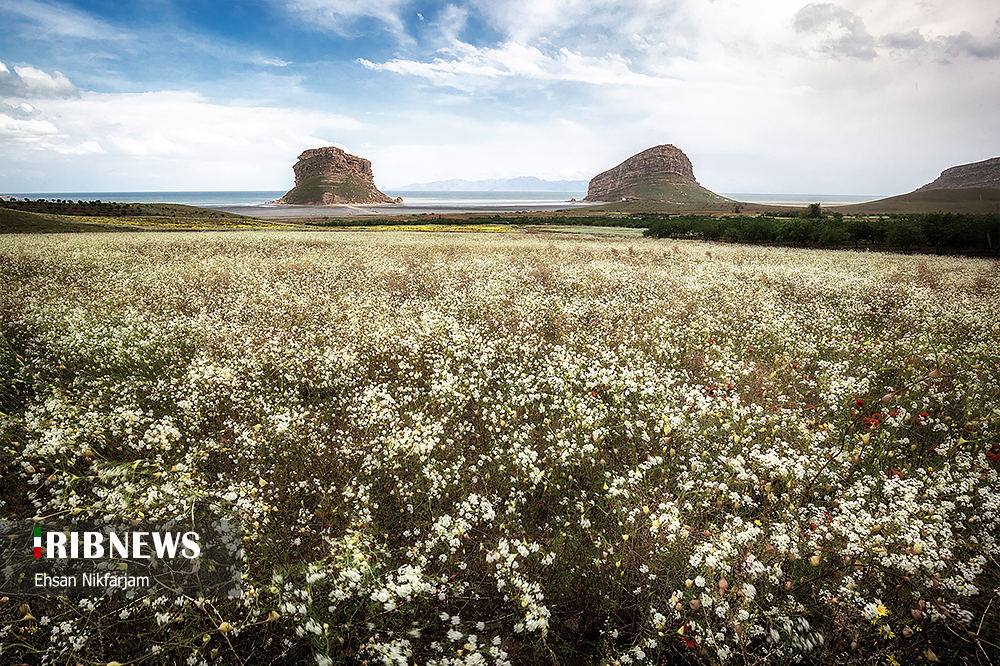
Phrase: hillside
x=659 y=178
x=968 y=200
x=21 y=216
x=24 y=222
x=967 y=176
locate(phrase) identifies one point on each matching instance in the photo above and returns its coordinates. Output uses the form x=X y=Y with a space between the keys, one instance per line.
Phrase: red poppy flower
x=690 y=641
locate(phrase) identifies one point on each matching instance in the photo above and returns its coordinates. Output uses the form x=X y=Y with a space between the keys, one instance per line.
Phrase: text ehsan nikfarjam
x=134 y=545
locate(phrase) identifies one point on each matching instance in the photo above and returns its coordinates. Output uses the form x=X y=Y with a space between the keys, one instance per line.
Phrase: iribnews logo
x=121 y=557
x=134 y=545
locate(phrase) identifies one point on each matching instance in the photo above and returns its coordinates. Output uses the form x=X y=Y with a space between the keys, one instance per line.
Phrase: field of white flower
x=512 y=449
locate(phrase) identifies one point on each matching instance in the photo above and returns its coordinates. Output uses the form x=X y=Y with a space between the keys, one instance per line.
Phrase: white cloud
x=42 y=84
x=465 y=66
x=844 y=95
x=85 y=148
x=842 y=32
x=24 y=130
x=30 y=83
x=164 y=140
x=964 y=43
x=268 y=61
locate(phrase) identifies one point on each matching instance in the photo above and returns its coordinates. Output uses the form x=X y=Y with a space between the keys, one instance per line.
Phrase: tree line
x=953 y=233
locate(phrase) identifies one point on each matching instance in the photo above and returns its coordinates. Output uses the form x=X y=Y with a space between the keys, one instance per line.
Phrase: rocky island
x=661 y=173
x=330 y=176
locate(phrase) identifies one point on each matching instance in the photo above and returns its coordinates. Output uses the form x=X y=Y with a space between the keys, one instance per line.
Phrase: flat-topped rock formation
x=967 y=176
x=330 y=176
x=661 y=174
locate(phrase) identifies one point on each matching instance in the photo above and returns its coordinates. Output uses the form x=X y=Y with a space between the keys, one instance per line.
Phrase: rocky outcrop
x=638 y=176
x=966 y=176
x=330 y=176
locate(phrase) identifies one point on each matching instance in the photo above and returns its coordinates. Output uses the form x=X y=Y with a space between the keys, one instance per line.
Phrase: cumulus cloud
x=193 y=142
x=28 y=82
x=19 y=127
x=905 y=41
x=842 y=31
x=987 y=48
x=42 y=84
x=22 y=111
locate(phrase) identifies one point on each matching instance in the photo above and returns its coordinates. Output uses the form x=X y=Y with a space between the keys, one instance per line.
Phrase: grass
x=585 y=230
x=513 y=449
x=664 y=193
x=972 y=200
x=153 y=217
x=20 y=222
x=313 y=189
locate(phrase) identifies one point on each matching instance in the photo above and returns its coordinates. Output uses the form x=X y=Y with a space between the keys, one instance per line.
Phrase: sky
x=783 y=96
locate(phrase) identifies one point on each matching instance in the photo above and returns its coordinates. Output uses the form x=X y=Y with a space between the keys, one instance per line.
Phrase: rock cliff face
x=965 y=176
x=329 y=176
x=638 y=176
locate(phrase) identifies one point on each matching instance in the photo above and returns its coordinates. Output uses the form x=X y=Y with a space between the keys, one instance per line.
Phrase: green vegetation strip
x=938 y=232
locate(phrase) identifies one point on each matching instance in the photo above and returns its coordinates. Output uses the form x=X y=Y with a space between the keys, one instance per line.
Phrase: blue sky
x=848 y=97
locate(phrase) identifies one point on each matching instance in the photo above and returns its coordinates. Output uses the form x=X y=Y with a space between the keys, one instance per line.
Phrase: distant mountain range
x=519 y=184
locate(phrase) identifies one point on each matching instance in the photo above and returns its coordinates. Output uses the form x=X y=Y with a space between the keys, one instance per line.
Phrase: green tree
x=814 y=212
x=904 y=233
